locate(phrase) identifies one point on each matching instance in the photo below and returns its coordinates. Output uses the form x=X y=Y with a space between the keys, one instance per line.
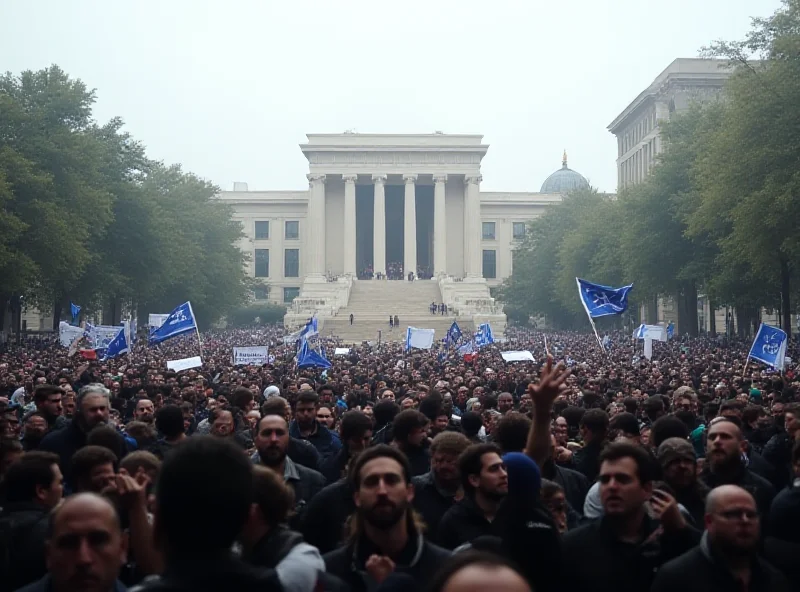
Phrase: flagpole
x=196 y=329
x=589 y=316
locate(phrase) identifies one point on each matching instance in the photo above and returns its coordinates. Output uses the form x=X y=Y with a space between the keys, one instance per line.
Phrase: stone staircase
x=372 y=301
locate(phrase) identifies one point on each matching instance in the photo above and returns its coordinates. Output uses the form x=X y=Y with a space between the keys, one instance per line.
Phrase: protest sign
x=250 y=356
x=341 y=351
x=517 y=356
x=68 y=333
x=184 y=364
x=156 y=320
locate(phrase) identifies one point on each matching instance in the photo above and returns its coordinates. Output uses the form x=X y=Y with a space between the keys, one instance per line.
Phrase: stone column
x=472 y=227
x=410 y=226
x=315 y=228
x=439 y=226
x=379 y=226
x=350 y=224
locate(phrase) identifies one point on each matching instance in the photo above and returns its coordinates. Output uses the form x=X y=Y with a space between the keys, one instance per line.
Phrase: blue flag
x=117 y=346
x=180 y=321
x=453 y=335
x=308 y=358
x=75 y=310
x=601 y=301
x=670 y=330
x=769 y=346
x=484 y=336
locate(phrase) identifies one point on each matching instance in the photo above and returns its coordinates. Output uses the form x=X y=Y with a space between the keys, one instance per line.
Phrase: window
x=489 y=264
x=488 y=231
x=289 y=294
x=262 y=230
x=292 y=229
x=518 y=230
x=291 y=263
x=262 y=263
x=261 y=293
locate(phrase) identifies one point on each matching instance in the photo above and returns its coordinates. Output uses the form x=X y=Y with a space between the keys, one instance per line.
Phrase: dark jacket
x=203 y=575
x=65 y=442
x=333 y=467
x=326 y=442
x=700 y=570
x=324 y=521
x=420 y=559
x=463 y=523
x=587 y=460
x=778 y=453
x=23 y=530
x=694 y=500
x=575 y=484
x=46 y=585
x=761 y=489
x=784 y=515
x=783 y=555
x=304 y=453
x=594 y=559
x=420 y=459
x=431 y=503
x=305 y=482
x=271 y=549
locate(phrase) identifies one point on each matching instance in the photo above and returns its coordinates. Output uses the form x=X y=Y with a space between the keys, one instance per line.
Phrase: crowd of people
x=590 y=469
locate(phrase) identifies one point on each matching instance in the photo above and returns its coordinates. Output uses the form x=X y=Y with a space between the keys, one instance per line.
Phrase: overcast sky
x=230 y=88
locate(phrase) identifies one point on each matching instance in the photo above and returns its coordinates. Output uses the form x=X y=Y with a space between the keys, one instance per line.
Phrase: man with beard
x=47 y=398
x=385 y=537
x=778 y=451
x=91 y=410
x=34 y=429
x=306 y=427
x=727 y=557
x=679 y=470
x=356 y=434
x=410 y=432
x=724 y=464
x=437 y=491
x=272 y=443
x=624 y=548
x=485 y=482
x=144 y=411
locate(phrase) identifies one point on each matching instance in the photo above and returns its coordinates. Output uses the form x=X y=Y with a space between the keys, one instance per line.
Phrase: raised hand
x=379 y=567
x=550 y=386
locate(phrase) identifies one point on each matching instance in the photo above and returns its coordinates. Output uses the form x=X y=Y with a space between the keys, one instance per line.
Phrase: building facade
x=379 y=204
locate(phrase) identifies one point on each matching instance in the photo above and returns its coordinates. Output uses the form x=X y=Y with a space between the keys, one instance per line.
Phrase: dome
x=564 y=180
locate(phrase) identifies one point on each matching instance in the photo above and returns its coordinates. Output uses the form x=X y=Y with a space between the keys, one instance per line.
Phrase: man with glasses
x=727 y=557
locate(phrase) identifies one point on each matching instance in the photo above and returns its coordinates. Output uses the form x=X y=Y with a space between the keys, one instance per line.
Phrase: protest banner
x=68 y=333
x=156 y=320
x=517 y=356
x=184 y=363
x=251 y=356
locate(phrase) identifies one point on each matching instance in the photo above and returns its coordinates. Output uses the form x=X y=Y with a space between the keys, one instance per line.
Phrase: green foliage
x=718 y=214
x=86 y=216
x=267 y=313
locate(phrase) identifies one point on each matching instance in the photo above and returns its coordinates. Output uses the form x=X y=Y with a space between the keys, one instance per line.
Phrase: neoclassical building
x=379 y=203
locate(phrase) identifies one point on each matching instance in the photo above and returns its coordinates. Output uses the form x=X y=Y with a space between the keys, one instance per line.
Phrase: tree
x=750 y=174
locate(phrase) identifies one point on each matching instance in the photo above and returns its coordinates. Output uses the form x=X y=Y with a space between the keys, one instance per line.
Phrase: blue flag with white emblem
x=308 y=358
x=601 y=301
x=769 y=346
x=180 y=321
x=117 y=346
x=453 y=335
x=484 y=335
x=75 y=310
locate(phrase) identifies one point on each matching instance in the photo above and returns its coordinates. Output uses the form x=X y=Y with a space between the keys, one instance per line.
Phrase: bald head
x=82 y=504
x=732 y=521
x=723 y=495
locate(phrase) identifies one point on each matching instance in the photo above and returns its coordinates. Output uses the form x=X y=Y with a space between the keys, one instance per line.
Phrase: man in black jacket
x=435 y=492
x=409 y=433
x=485 y=482
x=594 y=427
x=621 y=551
x=33 y=487
x=272 y=442
x=386 y=538
x=91 y=410
x=205 y=472
x=778 y=451
x=356 y=434
x=727 y=557
x=725 y=445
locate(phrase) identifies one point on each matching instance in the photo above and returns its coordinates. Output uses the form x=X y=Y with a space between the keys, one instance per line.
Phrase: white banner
x=101 y=335
x=184 y=363
x=655 y=332
x=68 y=333
x=648 y=348
x=251 y=356
x=156 y=320
x=341 y=351
x=517 y=356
